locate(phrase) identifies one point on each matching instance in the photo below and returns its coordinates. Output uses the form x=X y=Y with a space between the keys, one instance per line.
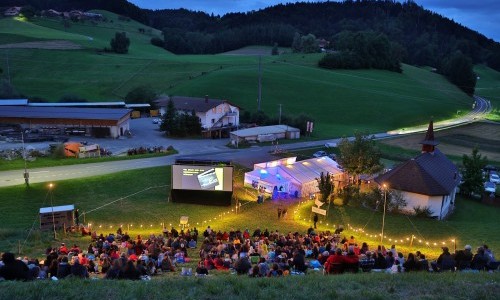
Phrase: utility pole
x=26 y=174
x=260 y=83
x=279 y=120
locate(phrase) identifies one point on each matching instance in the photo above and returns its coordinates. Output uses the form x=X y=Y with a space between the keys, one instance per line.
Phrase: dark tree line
x=363 y=50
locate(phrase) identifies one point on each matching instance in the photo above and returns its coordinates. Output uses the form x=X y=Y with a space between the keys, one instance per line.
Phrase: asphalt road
x=210 y=150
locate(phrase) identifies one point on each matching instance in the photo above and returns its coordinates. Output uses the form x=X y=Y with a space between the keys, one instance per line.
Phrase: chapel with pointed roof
x=429 y=179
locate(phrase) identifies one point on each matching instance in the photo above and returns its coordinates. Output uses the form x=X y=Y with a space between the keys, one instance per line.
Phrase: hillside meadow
x=347 y=286
x=340 y=101
x=138 y=201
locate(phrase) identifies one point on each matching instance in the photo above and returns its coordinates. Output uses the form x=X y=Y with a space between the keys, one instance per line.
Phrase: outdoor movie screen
x=202 y=178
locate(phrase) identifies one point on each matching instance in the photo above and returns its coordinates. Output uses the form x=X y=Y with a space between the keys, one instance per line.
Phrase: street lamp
x=51 y=185
x=383 y=215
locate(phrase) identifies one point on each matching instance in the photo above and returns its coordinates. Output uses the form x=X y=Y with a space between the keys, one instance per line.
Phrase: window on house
x=213 y=121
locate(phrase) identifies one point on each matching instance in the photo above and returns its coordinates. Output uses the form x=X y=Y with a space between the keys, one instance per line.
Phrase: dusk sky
x=480 y=15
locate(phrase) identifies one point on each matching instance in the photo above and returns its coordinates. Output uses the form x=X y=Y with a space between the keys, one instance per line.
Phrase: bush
x=348 y=193
x=58 y=152
x=158 y=42
x=422 y=211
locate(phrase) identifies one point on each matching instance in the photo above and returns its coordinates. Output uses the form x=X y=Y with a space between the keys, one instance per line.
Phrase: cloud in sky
x=482 y=16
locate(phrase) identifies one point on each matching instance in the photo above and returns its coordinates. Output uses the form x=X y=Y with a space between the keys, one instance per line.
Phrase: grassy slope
x=340 y=101
x=19 y=211
x=488 y=86
x=349 y=286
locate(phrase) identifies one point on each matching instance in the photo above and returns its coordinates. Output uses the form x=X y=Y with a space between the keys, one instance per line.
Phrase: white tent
x=291 y=177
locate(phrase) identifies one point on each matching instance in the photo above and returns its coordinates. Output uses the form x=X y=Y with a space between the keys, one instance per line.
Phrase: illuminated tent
x=291 y=177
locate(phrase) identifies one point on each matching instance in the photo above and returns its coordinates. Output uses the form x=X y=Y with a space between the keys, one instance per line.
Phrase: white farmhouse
x=428 y=180
x=217 y=117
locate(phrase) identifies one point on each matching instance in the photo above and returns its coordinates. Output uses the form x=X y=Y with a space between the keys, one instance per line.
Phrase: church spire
x=429 y=144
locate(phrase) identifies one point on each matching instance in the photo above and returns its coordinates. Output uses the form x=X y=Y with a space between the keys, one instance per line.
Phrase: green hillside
x=339 y=101
x=488 y=86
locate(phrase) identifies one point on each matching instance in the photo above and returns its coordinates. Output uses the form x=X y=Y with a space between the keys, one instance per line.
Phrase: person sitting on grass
x=351 y=261
x=463 y=258
x=367 y=262
x=77 y=270
x=445 y=262
x=130 y=272
x=13 y=269
x=201 y=270
x=410 y=264
x=166 y=264
x=263 y=267
x=380 y=262
x=63 y=269
x=334 y=263
x=242 y=265
x=480 y=260
x=114 y=271
x=254 y=272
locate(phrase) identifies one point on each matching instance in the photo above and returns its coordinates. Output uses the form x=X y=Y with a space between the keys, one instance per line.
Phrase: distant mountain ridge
x=426 y=37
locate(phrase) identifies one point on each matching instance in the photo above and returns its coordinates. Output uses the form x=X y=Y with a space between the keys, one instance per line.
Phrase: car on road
x=489 y=187
x=331 y=145
x=494 y=178
x=320 y=153
x=156 y=121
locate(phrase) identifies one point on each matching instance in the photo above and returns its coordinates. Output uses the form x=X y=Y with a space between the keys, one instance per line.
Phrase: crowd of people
x=260 y=253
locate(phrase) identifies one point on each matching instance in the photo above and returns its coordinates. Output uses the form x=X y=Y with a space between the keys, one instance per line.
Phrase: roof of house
x=55 y=209
x=8 y=102
x=430 y=173
x=63 y=113
x=190 y=103
x=271 y=129
x=79 y=104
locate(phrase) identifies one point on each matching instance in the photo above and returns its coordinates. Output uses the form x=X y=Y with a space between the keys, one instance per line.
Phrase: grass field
x=347 y=286
x=339 y=101
x=457 y=141
x=41 y=162
x=138 y=201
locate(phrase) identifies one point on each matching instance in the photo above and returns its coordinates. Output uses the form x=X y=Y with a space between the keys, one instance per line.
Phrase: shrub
x=422 y=211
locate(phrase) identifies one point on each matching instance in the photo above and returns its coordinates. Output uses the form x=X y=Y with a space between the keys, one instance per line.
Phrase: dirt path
x=49 y=45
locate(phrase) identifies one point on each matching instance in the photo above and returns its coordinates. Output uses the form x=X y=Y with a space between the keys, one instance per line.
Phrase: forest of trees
x=363 y=50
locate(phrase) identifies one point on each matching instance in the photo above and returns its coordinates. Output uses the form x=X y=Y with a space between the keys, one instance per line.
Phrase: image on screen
x=208 y=180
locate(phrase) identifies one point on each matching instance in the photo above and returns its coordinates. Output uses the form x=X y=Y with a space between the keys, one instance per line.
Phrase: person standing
x=77 y=217
x=279 y=213
x=315 y=220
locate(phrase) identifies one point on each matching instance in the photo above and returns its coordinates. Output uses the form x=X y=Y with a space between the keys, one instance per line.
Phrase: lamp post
x=52 y=207
x=383 y=215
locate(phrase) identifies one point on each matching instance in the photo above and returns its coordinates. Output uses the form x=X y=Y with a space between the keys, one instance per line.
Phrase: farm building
x=288 y=177
x=217 y=117
x=265 y=133
x=97 y=122
x=428 y=180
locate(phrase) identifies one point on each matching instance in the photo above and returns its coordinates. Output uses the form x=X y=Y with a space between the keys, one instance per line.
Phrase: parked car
x=494 y=178
x=332 y=156
x=156 y=121
x=489 y=187
x=331 y=145
x=320 y=153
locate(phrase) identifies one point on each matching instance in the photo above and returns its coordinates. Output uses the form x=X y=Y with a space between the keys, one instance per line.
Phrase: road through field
x=246 y=157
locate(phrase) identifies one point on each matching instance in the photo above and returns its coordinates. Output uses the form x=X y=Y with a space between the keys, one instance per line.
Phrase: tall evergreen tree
x=325 y=186
x=120 y=43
